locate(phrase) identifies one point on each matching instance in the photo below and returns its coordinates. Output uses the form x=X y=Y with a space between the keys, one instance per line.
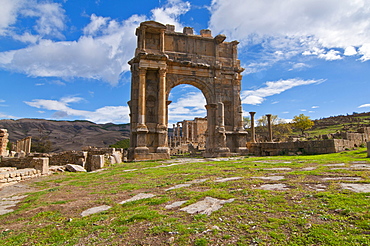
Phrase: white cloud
x=350 y=51
x=114 y=114
x=75 y=59
x=8 y=14
x=310 y=24
x=364 y=105
x=331 y=55
x=299 y=66
x=50 y=17
x=271 y=88
x=315 y=107
x=169 y=14
x=189 y=106
x=101 y=53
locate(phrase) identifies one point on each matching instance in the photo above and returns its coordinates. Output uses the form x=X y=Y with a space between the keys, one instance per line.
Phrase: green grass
x=298 y=216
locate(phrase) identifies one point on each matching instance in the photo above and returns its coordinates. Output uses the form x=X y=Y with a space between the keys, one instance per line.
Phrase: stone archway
x=164 y=59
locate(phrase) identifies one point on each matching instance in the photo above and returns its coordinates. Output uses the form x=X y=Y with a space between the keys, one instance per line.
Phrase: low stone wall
x=68 y=157
x=302 y=147
x=14 y=175
x=39 y=163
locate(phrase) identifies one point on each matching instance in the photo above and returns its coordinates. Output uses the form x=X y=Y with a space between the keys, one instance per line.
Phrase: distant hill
x=66 y=135
x=344 y=123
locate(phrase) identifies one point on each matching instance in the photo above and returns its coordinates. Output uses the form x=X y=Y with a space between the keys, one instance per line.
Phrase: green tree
x=274 y=120
x=302 y=122
x=280 y=130
x=246 y=122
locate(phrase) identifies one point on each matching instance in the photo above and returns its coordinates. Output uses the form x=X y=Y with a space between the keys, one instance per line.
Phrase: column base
x=163 y=150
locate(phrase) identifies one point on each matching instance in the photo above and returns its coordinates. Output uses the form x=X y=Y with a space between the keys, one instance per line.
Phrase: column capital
x=142 y=70
x=162 y=71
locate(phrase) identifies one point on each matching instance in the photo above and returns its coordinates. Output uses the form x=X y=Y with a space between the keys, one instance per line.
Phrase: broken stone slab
x=175 y=204
x=139 y=196
x=270 y=178
x=359 y=188
x=178 y=186
x=75 y=168
x=95 y=210
x=343 y=178
x=278 y=187
x=207 y=206
x=227 y=179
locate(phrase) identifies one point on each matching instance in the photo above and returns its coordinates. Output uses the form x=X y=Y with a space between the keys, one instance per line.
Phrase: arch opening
x=187 y=120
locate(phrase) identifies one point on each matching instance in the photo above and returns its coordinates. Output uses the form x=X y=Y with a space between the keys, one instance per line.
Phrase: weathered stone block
x=75 y=168
x=41 y=164
x=96 y=162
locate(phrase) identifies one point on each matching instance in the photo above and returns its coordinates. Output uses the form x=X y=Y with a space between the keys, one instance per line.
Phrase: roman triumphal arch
x=164 y=59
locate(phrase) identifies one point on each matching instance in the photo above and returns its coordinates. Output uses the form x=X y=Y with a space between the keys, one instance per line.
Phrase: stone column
x=178 y=133
x=211 y=128
x=141 y=130
x=27 y=149
x=368 y=149
x=220 y=134
x=185 y=130
x=141 y=96
x=162 y=116
x=162 y=99
x=269 y=124
x=192 y=124
x=253 y=140
x=221 y=115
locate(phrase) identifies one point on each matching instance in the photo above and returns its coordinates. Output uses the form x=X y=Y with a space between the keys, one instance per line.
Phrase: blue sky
x=67 y=60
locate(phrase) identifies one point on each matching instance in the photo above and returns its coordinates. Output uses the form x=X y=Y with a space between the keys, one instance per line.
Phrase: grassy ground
x=298 y=216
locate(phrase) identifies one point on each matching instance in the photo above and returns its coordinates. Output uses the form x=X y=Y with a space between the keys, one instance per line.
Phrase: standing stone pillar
x=211 y=128
x=253 y=140
x=368 y=149
x=162 y=98
x=220 y=135
x=27 y=149
x=221 y=115
x=192 y=124
x=187 y=130
x=269 y=124
x=178 y=133
x=142 y=95
x=141 y=129
x=162 y=115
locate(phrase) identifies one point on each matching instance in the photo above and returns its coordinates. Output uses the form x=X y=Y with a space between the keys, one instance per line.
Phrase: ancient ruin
x=23 y=145
x=188 y=135
x=3 y=142
x=164 y=59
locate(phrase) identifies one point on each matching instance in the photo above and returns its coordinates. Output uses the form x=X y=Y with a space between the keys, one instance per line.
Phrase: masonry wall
x=303 y=147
